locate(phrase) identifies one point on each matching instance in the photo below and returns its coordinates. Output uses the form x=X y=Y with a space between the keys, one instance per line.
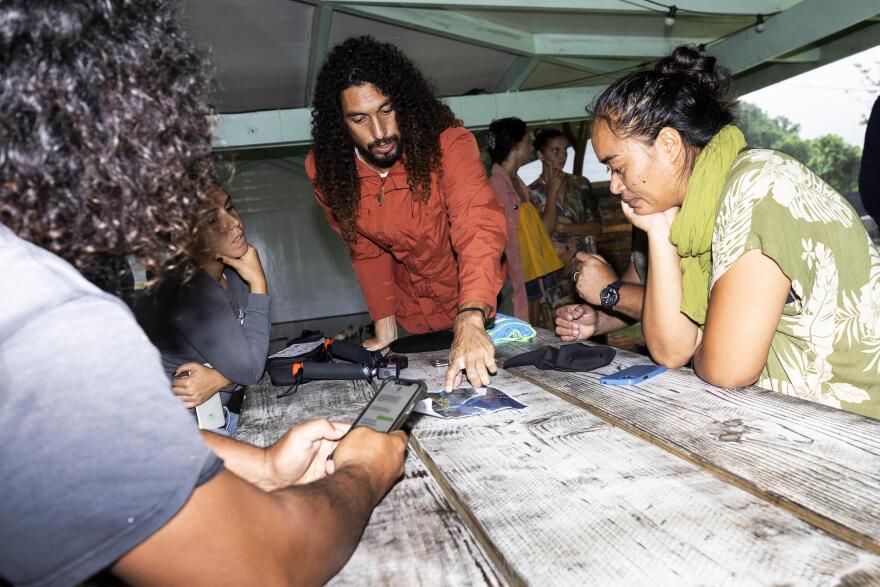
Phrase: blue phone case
x=633 y=375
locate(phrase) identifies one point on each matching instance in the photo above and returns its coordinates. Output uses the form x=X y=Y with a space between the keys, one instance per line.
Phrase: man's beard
x=382 y=160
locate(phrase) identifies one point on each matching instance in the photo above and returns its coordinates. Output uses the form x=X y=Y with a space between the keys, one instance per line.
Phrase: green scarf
x=692 y=228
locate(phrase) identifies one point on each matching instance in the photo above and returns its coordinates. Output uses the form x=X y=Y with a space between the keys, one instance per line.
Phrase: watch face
x=608 y=297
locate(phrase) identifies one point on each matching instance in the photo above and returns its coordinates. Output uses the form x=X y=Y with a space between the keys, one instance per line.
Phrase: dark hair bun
x=703 y=70
x=686 y=91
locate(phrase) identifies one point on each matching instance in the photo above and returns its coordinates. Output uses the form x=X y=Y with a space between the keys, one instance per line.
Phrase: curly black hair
x=421 y=118
x=105 y=136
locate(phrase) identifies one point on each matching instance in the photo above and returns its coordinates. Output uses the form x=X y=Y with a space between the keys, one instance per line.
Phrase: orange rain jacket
x=419 y=261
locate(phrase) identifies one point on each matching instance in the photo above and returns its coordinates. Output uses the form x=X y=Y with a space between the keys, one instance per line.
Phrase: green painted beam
x=292 y=127
x=801 y=25
x=278 y=128
x=534 y=107
x=450 y=25
x=732 y=7
x=517 y=73
x=767 y=75
x=608 y=45
x=597 y=65
x=263 y=129
x=486 y=33
x=321 y=23
x=855 y=42
x=836 y=49
x=806 y=56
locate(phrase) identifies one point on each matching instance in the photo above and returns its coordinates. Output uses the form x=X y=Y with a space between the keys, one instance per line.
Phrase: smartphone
x=210 y=413
x=633 y=375
x=391 y=405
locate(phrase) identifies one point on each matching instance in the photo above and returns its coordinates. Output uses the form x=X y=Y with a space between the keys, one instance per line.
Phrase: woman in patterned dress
x=569 y=210
x=759 y=271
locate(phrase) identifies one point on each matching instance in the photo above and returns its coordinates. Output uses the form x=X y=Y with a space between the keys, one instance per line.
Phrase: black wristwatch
x=610 y=295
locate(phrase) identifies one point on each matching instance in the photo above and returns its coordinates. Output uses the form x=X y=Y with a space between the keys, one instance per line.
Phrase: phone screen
x=394 y=398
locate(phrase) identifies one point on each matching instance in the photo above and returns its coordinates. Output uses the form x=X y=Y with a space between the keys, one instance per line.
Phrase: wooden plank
x=820 y=463
x=564 y=498
x=414 y=536
x=580 y=147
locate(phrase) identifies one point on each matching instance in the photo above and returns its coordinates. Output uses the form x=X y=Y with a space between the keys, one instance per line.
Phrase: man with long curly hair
x=105 y=150
x=402 y=182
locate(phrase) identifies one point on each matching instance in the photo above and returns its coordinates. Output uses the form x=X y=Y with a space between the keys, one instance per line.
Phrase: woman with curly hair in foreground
x=402 y=182
x=105 y=150
x=101 y=153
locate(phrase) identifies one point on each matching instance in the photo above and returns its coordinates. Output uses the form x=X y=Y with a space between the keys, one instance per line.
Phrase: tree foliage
x=835 y=160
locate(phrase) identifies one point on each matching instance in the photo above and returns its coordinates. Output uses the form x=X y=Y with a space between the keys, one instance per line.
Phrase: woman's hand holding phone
x=194 y=383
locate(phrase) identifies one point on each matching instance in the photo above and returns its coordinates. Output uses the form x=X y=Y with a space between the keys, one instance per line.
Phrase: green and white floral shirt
x=826 y=347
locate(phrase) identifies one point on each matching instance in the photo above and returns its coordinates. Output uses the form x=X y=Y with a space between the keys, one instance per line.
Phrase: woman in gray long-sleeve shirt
x=219 y=318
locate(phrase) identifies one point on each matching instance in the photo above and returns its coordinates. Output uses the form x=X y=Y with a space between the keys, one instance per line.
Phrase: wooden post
x=580 y=147
x=569 y=134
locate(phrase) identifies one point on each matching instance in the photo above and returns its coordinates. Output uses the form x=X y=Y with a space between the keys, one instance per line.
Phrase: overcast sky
x=826 y=100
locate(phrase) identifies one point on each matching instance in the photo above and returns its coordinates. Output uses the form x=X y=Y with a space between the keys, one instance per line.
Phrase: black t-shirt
x=869 y=174
x=639 y=253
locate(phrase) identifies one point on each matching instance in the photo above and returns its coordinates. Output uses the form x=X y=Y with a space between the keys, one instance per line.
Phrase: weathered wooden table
x=671 y=482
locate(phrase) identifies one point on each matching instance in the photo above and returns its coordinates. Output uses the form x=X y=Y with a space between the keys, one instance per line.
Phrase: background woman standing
x=529 y=251
x=569 y=210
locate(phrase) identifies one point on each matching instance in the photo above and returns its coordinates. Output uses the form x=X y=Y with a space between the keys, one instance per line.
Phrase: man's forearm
x=627 y=311
x=337 y=508
x=386 y=328
x=339 y=505
x=297 y=536
x=632 y=300
x=486 y=308
x=606 y=323
x=247 y=461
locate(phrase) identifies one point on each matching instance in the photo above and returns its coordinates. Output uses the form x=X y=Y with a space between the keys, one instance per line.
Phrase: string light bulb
x=670 y=15
x=759 y=23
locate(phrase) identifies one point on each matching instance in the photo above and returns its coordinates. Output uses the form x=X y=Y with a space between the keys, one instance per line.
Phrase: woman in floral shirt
x=759 y=271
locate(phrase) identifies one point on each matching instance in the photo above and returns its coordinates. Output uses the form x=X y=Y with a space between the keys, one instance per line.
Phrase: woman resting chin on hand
x=213 y=331
x=757 y=268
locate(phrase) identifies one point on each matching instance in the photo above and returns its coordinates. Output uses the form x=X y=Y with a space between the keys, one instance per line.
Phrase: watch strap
x=615 y=287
